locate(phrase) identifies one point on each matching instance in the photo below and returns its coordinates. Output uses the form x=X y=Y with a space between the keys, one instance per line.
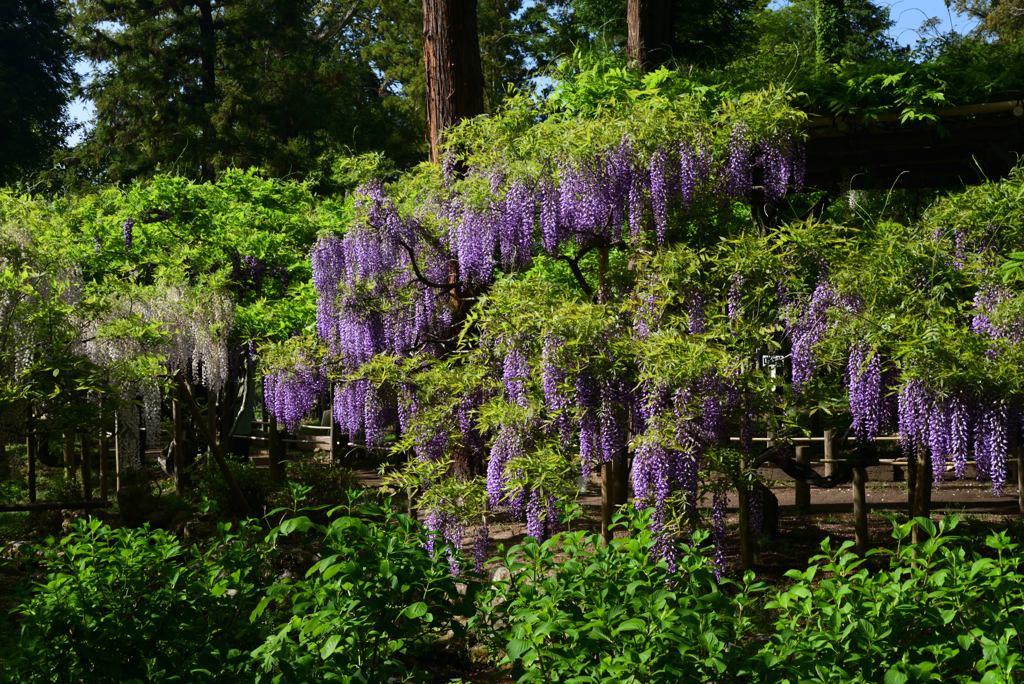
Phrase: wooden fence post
x=860 y=510
x=86 y=468
x=830 y=465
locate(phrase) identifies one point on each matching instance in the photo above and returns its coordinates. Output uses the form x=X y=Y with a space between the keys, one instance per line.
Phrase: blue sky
x=908 y=14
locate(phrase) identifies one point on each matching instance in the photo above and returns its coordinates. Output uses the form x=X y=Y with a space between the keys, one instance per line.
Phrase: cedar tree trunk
x=451 y=52
x=649 y=43
x=208 y=79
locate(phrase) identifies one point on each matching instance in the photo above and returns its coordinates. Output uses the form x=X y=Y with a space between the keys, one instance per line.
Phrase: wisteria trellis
x=398 y=283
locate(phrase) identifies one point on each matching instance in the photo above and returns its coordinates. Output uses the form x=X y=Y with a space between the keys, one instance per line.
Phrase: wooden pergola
x=966 y=145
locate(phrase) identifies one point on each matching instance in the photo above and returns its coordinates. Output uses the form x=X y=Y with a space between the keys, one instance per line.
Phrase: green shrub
x=579 y=612
x=133 y=605
x=937 y=614
x=375 y=592
x=573 y=611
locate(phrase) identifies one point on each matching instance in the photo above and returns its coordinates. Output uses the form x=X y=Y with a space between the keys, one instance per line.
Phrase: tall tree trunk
x=208 y=61
x=651 y=33
x=451 y=52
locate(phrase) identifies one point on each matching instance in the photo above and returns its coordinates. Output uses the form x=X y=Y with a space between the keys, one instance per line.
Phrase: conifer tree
x=36 y=75
x=194 y=87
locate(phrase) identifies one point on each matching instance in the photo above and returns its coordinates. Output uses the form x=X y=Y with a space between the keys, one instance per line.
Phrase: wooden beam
x=52 y=506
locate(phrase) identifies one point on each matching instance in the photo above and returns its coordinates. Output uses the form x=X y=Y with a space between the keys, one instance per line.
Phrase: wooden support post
x=31 y=446
x=830 y=465
x=179 y=442
x=273 y=449
x=802 y=489
x=335 y=441
x=236 y=493
x=1020 y=476
x=118 y=458
x=69 y=454
x=104 y=460
x=607 y=501
x=911 y=484
x=860 y=510
x=922 y=495
x=86 y=468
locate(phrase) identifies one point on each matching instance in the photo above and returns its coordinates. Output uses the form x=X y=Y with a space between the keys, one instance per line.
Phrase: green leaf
x=517 y=647
x=416 y=610
x=632 y=624
x=330 y=646
x=895 y=677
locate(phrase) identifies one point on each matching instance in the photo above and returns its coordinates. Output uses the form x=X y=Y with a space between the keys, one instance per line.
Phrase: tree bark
x=208 y=61
x=451 y=52
x=651 y=33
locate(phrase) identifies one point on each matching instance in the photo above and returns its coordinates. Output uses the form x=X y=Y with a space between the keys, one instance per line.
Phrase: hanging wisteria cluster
x=959 y=424
x=872 y=405
x=289 y=394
